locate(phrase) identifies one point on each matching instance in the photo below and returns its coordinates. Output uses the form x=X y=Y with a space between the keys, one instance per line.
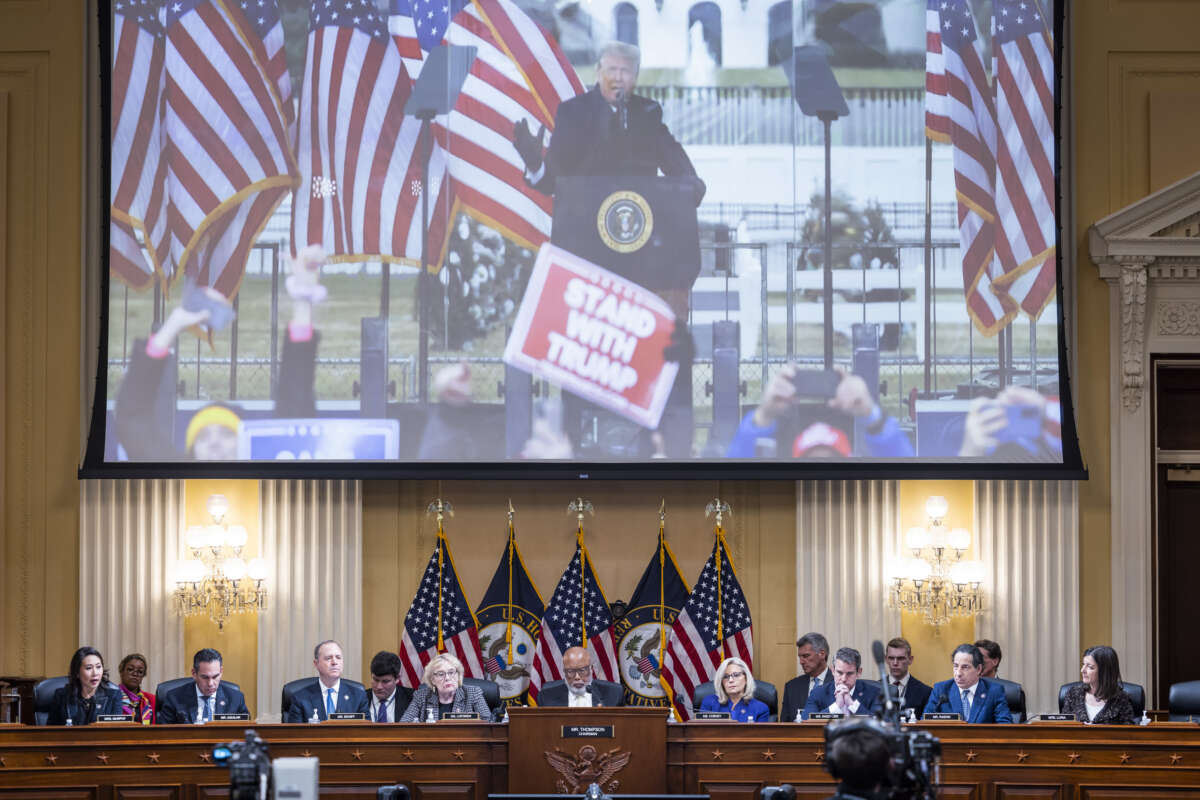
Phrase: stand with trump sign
x=595 y=334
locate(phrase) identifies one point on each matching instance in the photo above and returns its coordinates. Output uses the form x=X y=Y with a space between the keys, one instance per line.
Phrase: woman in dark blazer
x=441 y=691
x=85 y=696
x=1099 y=698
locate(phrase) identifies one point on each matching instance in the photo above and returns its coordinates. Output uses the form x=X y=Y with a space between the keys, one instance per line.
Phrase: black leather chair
x=291 y=687
x=491 y=695
x=43 y=693
x=763 y=691
x=1183 y=701
x=1137 y=694
x=166 y=687
x=1014 y=695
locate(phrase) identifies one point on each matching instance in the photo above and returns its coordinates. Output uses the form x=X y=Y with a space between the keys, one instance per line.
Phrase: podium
x=562 y=750
x=643 y=228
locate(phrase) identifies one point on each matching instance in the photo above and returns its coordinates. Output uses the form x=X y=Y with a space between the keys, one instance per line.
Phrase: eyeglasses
x=733 y=676
x=577 y=672
x=443 y=674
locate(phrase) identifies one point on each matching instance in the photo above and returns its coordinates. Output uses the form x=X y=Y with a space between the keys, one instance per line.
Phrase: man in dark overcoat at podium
x=610 y=131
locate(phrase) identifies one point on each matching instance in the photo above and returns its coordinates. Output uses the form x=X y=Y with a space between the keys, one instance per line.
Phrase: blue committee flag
x=509 y=619
x=643 y=632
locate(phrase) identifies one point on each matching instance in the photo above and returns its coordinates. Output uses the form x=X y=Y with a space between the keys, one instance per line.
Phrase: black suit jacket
x=916 y=695
x=795 y=695
x=870 y=698
x=180 y=704
x=65 y=706
x=588 y=140
x=604 y=693
x=352 y=698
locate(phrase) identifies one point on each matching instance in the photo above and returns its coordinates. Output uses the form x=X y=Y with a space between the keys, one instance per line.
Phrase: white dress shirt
x=834 y=708
x=971 y=692
x=337 y=693
x=581 y=700
x=389 y=706
x=899 y=690
x=201 y=700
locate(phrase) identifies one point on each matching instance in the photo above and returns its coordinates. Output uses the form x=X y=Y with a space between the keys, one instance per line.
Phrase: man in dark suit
x=977 y=699
x=580 y=689
x=906 y=690
x=205 y=697
x=845 y=694
x=388 y=698
x=812 y=650
x=328 y=692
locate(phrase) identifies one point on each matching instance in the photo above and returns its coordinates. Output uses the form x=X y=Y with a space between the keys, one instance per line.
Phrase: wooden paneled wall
x=41 y=219
x=1136 y=105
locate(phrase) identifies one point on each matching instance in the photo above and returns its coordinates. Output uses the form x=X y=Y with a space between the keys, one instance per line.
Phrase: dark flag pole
x=928 y=259
x=434 y=93
x=816 y=91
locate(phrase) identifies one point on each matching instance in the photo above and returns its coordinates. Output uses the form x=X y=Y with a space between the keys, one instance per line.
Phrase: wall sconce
x=936 y=581
x=216 y=580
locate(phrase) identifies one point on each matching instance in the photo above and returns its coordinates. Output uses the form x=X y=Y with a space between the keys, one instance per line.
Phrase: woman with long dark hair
x=1099 y=698
x=85 y=697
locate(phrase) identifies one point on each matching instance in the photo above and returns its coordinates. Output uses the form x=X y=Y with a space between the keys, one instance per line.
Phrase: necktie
x=329 y=704
x=899 y=690
x=381 y=715
x=966 y=703
x=208 y=709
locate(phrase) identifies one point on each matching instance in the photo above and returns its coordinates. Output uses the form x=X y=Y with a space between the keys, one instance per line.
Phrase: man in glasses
x=580 y=689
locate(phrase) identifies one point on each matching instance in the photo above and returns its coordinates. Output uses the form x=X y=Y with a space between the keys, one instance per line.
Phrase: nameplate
x=587 y=731
x=825 y=716
x=114 y=718
x=340 y=716
x=461 y=715
x=711 y=715
x=942 y=716
x=239 y=717
x=1054 y=718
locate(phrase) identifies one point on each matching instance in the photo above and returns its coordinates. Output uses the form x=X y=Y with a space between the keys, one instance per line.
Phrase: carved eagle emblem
x=590 y=766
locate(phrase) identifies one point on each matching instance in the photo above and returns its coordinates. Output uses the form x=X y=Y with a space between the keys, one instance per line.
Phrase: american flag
x=439 y=621
x=360 y=168
x=971 y=116
x=138 y=189
x=1023 y=70
x=227 y=105
x=519 y=73
x=578 y=607
x=714 y=625
x=937 y=118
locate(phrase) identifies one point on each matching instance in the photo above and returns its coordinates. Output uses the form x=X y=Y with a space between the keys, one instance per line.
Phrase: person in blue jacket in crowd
x=884 y=437
x=734 y=687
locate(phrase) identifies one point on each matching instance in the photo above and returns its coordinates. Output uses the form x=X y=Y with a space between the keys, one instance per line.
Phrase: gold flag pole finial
x=442 y=509
x=579 y=507
x=511 y=512
x=720 y=508
x=662 y=512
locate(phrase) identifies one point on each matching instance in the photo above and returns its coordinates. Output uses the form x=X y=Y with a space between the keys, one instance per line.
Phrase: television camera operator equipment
x=254 y=776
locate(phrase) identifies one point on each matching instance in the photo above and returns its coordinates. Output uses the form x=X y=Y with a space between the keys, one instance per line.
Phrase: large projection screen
x=609 y=238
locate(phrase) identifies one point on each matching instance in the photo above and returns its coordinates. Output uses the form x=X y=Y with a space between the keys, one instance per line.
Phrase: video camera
x=254 y=776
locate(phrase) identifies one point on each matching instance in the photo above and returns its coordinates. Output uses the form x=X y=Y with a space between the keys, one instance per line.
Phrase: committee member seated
x=1100 y=698
x=845 y=694
x=327 y=693
x=388 y=697
x=992 y=656
x=907 y=691
x=975 y=698
x=580 y=689
x=734 y=693
x=135 y=702
x=812 y=651
x=85 y=697
x=883 y=439
x=442 y=692
x=205 y=696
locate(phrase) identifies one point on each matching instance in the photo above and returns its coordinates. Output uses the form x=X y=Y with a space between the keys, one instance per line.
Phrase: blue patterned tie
x=966 y=703
x=329 y=704
x=208 y=709
x=381 y=716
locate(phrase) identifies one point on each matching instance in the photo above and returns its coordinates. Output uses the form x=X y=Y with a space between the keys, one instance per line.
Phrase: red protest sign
x=596 y=334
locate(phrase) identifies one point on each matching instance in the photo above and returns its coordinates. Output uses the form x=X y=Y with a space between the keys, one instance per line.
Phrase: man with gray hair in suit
x=812 y=651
